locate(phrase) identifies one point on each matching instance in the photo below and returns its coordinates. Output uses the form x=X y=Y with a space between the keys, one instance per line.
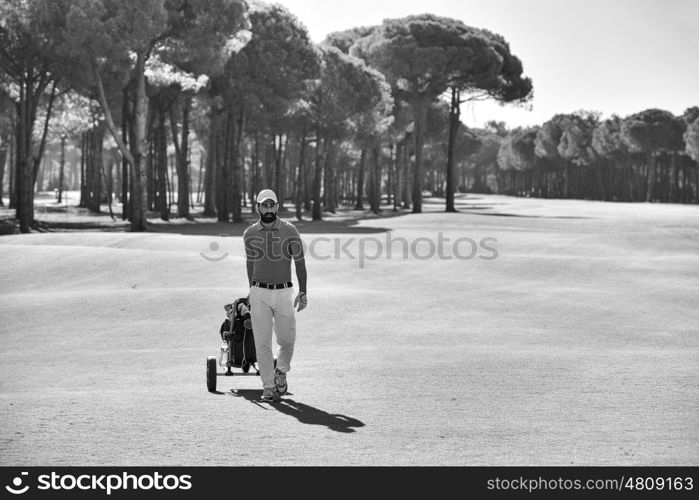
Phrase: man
x=270 y=245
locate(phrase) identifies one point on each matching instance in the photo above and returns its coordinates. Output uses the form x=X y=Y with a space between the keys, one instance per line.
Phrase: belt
x=270 y=286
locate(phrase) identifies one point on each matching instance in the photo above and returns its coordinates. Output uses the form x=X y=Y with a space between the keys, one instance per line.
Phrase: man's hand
x=301 y=301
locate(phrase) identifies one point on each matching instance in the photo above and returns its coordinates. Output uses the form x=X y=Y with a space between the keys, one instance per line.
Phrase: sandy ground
x=569 y=337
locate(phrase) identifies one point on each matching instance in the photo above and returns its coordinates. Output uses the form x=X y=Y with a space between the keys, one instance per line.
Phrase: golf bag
x=237 y=331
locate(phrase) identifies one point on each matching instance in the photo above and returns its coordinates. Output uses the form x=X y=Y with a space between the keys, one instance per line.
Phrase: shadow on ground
x=504 y=214
x=302 y=412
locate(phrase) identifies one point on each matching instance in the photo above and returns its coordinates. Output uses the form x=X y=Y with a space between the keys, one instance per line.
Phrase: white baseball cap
x=266 y=194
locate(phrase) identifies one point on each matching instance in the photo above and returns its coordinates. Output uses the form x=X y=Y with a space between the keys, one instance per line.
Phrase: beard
x=268 y=218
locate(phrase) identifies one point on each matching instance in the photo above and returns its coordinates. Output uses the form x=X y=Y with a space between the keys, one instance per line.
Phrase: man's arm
x=301 y=274
x=300 y=262
x=250 y=265
x=296 y=248
x=301 y=300
x=249 y=262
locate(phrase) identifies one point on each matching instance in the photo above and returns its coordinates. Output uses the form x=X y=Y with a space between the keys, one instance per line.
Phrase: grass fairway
x=577 y=344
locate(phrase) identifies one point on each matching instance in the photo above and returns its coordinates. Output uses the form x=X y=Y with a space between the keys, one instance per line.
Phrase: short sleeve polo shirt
x=271 y=250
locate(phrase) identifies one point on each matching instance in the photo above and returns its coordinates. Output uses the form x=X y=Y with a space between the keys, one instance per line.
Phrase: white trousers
x=272 y=309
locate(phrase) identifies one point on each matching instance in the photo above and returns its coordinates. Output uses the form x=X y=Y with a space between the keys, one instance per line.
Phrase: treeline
x=648 y=156
x=225 y=97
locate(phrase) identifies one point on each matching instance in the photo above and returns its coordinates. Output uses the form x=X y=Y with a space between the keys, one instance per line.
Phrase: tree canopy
x=216 y=99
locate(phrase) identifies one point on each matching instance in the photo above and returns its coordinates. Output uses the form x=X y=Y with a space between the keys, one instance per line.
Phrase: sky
x=610 y=56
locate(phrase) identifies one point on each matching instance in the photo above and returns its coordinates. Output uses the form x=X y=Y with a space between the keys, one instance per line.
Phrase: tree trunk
x=39 y=179
x=651 y=176
x=278 y=145
x=238 y=187
x=360 y=181
x=134 y=156
x=25 y=180
x=326 y=180
x=161 y=161
x=329 y=177
x=398 y=178
x=151 y=168
x=83 y=163
x=300 y=174
x=221 y=168
x=125 y=118
x=201 y=177
x=418 y=182
x=454 y=121
x=42 y=144
x=169 y=179
x=139 y=196
x=674 y=181
x=390 y=175
x=603 y=191
x=255 y=174
x=244 y=175
x=351 y=186
x=375 y=182
x=3 y=160
x=182 y=157
x=430 y=181
x=12 y=184
x=223 y=171
x=407 y=178
x=317 y=209
x=60 y=172
x=370 y=182
x=190 y=180
x=107 y=176
x=308 y=182
x=94 y=168
x=343 y=181
x=211 y=167
x=183 y=185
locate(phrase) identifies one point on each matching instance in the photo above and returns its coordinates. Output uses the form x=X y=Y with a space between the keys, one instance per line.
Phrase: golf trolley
x=237 y=348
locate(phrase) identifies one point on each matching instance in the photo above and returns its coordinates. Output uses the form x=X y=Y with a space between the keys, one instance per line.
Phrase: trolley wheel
x=211 y=373
x=246 y=367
